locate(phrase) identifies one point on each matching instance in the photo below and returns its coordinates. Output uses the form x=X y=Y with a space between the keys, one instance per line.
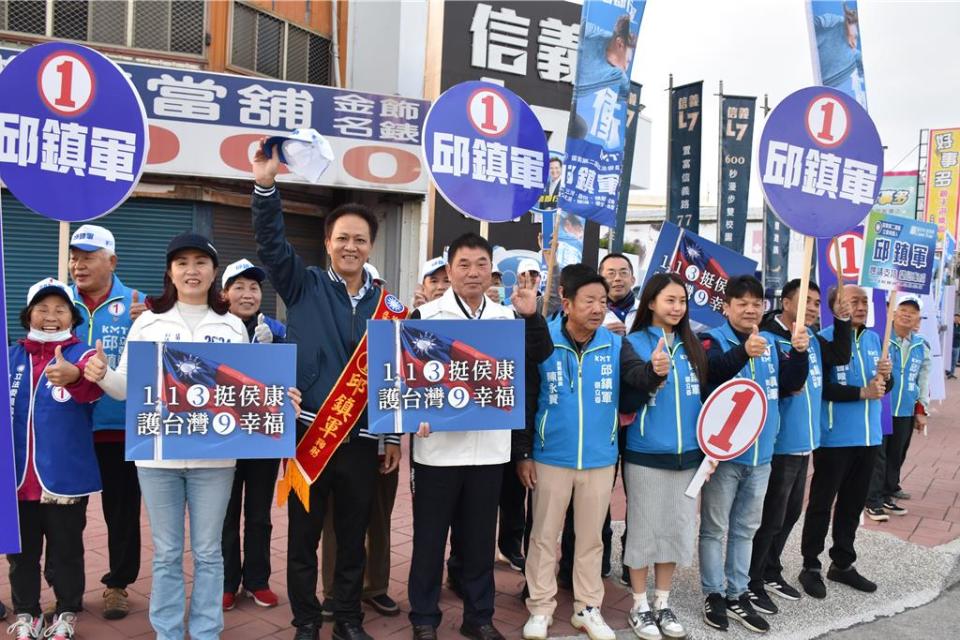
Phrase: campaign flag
x=736 y=150
x=836 y=38
x=456 y=375
x=188 y=401
x=776 y=248
x=943 y=180
x=598 y=113
x=683 y=195
x=705 y=267
x=898 y=194
x=898 y=254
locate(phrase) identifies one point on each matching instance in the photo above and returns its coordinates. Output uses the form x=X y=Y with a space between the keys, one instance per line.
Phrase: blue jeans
x=168 y=494
x=731 y=504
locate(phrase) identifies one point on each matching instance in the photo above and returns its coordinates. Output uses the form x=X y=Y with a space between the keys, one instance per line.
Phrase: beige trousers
x=591 y=489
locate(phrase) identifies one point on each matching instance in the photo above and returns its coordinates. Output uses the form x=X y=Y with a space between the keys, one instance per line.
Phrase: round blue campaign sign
x=821 y=162
x=486 y=151
x=73 y=131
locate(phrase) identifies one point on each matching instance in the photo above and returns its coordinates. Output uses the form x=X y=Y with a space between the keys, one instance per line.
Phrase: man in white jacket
x=456 y=476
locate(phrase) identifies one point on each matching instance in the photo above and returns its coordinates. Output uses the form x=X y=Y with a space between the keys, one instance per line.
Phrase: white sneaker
x=536 y=627
x=644 y=624
x=26 y=627
x=590 y=621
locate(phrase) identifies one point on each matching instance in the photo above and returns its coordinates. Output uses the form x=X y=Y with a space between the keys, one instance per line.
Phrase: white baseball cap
x=915 y=299
x=46 y=286
x=431 y=266
x=305 y=152
x=528 y=264
x=90 y=237
x=242 y=267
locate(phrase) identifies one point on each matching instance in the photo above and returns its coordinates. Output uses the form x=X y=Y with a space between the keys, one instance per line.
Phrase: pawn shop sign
x=486 y=151
x=821 y=161
x=73 y=132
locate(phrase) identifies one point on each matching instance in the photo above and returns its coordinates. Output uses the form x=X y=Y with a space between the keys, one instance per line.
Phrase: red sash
x=336 y=417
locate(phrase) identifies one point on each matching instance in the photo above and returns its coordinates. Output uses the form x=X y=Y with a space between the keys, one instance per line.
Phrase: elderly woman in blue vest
x=190 y=309
x=571 y=448
x=910 y=358
x=799 y=435
x=108 y=308
x=850 y=438
x=241 y=282
x=56 y=467
x=732 y=502
x=662 y=456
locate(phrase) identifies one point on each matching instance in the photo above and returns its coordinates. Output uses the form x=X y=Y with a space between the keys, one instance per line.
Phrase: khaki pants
x=377 y=571
x=591 y=489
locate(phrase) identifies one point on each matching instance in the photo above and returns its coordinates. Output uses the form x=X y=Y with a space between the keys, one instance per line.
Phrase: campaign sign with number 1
x=730 y=422
x=198 y=400
x=486 y=151
x=74 y=131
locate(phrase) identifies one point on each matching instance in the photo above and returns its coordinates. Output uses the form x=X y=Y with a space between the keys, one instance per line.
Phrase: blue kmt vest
x=765 y=371
x=66 y=463
x=667 y=423
x=110 y=322
x=857 y=423
x=800 y=412
x=577 y=418
x=906 y=373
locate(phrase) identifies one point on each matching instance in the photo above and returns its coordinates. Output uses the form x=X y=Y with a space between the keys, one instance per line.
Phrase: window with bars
x=273 y=47
x=175 y=26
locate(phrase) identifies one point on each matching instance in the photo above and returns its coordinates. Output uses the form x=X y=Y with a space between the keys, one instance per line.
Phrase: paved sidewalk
x=931 y=474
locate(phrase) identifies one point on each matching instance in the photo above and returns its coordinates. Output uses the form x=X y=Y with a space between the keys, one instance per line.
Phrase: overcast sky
x=910 y=59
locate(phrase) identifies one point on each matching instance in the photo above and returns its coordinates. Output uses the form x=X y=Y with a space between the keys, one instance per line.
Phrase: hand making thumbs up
x=756 y=345
x=660 y=360
x=262 y=333
x=60 y=372
x=96 y=366
x=136 y=307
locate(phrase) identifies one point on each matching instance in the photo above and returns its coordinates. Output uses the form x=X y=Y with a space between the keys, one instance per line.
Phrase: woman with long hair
x=662 y=456
x=190 y=309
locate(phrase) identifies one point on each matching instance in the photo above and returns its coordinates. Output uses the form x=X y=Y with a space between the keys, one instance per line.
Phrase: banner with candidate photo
x=196 y=400
x=683 y=195
x=704 y=266
x=736 y=150
x=776 y=259
x=835 y=31
x=598 y=113
x=456 y=375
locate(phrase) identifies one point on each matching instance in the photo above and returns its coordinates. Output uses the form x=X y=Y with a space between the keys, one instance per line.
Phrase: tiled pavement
x=931 y=474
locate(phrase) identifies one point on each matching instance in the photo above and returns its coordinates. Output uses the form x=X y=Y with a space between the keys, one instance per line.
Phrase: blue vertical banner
x=836 y=38
x=683 y=195
x=736 y=150
x=9 y=515
x=776 y=247
x=598 y=113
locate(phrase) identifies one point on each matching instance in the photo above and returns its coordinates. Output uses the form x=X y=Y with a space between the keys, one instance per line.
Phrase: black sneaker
x=761 y=601
x=877 y=515
x=851 y=578
x=743 y=611
x=715 y=611
x=812 y=583
x=900 y=494
x=782 y=588
x=625 y=576
x=384 y=605
x=893 y=508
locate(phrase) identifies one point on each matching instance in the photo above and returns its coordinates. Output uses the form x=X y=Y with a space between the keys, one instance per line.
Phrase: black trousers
x=466 y=498
x=62 y=527
x=513 y=513
x=256 y=479
x=121 y=512
x=893 y=453
x=782 y=507
x=351 y=475
x=841 y=475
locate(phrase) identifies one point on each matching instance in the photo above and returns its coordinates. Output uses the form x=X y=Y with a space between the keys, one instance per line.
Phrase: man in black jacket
x=327 y=311
x=783 y=503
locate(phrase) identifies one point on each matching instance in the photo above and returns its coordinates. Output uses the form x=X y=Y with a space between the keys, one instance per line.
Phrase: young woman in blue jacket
x=662 y=455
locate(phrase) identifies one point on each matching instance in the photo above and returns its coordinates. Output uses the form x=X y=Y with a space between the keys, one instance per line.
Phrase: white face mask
x=46 y=336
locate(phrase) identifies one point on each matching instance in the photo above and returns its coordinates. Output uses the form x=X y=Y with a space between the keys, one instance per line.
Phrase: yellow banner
x=943 y=179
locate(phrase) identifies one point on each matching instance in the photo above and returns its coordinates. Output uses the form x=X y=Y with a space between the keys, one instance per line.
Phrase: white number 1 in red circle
x=741 y=400
x=67 y=83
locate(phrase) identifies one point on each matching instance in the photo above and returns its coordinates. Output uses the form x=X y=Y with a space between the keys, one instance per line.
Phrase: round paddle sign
x=731 y=419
